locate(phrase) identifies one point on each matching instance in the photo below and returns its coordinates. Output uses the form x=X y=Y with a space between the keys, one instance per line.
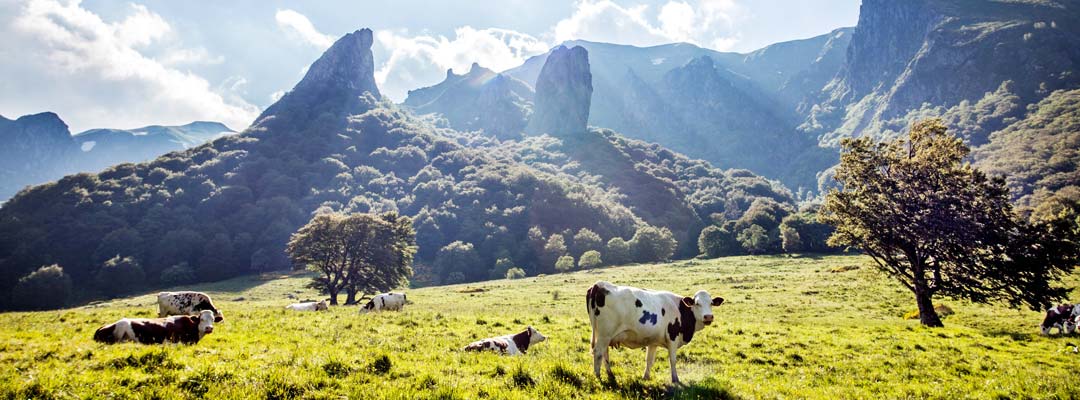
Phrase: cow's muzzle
x=707 y=319
x=208 y=330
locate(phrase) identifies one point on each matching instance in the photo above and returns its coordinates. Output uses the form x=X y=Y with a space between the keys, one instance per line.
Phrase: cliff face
x=35 y=148
x=479 y=100
x=563 y=93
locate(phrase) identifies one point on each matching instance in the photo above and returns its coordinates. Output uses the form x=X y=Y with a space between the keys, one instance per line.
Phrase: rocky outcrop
x=563 y=93
x=35 y=148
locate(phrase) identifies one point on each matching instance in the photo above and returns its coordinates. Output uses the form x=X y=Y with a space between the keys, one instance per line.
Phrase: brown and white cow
x=1063 y=317
x=175 y=329
x=636 y=318
x=510 y=345
x=385 y=302
x=308 y=306
x=186 y=303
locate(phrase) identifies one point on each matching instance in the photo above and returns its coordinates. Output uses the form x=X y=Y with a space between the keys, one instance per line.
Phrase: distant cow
x=185 y=329
x=186 y=303
x=1063 y=317
x=511 y=345
x=636 y=318
x=308 y=306
x=385 y=302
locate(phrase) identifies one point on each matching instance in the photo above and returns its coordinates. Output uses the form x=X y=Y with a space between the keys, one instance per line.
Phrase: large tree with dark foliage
x=357 y=253
x=941 y=227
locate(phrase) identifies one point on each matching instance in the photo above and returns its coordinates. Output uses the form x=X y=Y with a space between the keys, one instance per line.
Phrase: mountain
x=333 y=144
x=479 y=100
x=563 y=93
x=39 y=148
x=104 y=147
x=919 y=58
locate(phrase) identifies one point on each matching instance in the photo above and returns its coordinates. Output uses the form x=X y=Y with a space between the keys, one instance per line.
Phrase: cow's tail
x=106 y=334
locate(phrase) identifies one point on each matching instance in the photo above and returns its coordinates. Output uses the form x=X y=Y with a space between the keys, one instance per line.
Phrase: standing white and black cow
x=510 y=345
x=385 y=302
x=175 y=329
x=1063 y=317
x=308 y=306
x=186 y=303
x=636 y=318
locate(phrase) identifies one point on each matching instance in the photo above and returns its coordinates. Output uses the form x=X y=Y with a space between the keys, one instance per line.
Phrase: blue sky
x=119 y=64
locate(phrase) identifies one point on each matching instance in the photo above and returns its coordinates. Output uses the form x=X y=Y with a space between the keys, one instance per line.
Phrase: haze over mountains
x=39 y=148
x=505 y=166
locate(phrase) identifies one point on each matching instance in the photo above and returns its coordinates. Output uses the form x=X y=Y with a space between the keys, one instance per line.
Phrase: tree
x=586 y=240
x=120 y=275
x=589 y=260
x=178 y=274
x=715 y=241
x=515 y=273
x=354 y=252
x=789 y=239
x=217 y=262
x=618 y=251
x=564 y=264
x=457 y=262
x=554 y=248
x=46 y=288
x=502 y=265
x=652 y=244
x=754 y=239
x=941 y=227
x=813 y=235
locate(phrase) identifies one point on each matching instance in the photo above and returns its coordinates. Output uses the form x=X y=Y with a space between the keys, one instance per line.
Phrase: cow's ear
x=529 y=330
x=688 y=301
x=716 y=301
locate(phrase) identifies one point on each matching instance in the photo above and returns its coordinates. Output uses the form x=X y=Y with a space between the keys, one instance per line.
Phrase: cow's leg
x=161 y=310
x=672 y=349
x=600 y=350
x=650 y=356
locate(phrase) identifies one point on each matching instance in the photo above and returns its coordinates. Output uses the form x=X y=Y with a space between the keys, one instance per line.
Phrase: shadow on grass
x=708 y=388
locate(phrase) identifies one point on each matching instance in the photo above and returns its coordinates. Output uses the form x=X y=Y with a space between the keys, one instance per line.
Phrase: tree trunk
x=333 y=296
x=350 y=297
x=927 y=315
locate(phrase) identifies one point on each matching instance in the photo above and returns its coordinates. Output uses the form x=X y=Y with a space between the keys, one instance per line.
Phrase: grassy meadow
x=808 y=327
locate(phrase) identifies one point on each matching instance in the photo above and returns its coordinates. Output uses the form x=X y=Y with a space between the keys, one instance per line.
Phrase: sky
x=126 y=64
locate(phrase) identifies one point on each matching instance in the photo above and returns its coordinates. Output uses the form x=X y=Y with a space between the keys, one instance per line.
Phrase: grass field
x=810 y=327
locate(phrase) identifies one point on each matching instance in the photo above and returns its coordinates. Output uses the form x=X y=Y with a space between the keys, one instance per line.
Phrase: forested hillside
x=331 y=144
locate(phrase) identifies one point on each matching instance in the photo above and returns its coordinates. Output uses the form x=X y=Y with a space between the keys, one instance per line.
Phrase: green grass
x=791 y=328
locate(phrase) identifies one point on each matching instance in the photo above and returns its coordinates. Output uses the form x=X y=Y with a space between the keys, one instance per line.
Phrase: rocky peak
x=563 y=93
x=348 y=64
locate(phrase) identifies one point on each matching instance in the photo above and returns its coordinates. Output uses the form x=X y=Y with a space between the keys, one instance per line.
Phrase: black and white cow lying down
x=385 y=302
x=636 y=318
x=186 y=303
x=1063 y=317
x=510 y=345
x=308 y=306
x=185 y=329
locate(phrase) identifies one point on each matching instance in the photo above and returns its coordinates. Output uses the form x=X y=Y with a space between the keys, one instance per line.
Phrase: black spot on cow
x=595 y=297
x=689 y=321
x=637 y=303
x=369 y=305
x=673 y=329
x=663 y=312
x=521 y=340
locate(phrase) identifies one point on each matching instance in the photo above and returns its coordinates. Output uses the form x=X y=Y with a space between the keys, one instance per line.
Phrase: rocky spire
x=563 y=93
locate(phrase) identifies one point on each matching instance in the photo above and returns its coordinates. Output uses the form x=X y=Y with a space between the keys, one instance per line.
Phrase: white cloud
x=302 y=28
x=93 y=74
x=709 y=23
x=416 y=61
x=189 y=56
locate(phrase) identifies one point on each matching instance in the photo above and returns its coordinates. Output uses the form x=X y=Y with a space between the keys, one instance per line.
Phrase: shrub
x=502 y=267
x=565 y=263
x=591 y=259
x=46 y=288
x=179 y=274
x=120 y=276
x=618 y=251
x=715 y=241
x=754 y=240
x=515 y=273
x=652 y=244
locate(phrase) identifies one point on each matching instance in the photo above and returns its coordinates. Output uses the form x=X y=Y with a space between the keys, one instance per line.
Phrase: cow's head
x=701 y=305
x=369 y=307
x=205 y=305
x=534 y=335
x=206 y=320
x=321 y=306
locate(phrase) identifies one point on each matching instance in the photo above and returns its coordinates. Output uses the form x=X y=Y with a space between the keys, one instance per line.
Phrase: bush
x=565 y=263
x=589 y=260
x=179 y=274
x=715 y=241
x=120 y=276
x=790 y=240
x=502 y=266
x=515 y=273
x=586 y=240
x=618 y=251
x=652 y=244
x=47 y=288
x=754 y=240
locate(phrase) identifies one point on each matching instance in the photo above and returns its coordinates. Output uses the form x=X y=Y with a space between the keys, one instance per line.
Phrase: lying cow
x=308 y=306
x=511 y=345
x=385 y=302
x=636 y=318
x=186 y=303
x=175 y=329
x=1063 y=317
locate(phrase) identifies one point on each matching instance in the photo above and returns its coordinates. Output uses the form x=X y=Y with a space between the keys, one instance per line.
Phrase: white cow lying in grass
x=510 y=345
x=636 y=318
x=385 y=302
x=308 y=306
